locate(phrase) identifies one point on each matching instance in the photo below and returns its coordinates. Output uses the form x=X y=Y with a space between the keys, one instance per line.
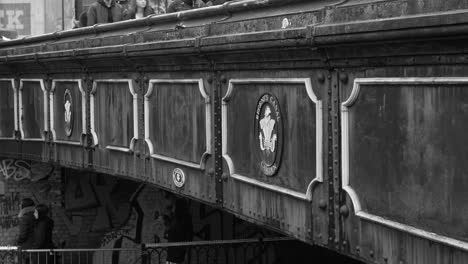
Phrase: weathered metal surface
x=391 y=185
x=265 y=143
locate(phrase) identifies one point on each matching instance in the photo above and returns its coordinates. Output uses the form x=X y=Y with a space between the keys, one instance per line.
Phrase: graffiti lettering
x=15 y=169
x=9 y=207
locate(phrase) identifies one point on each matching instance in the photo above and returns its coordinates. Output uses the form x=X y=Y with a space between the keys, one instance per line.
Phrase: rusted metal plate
x=403 y=154
x=115 y=129
x=178 y=133
x=178 y=121
x=113 y=125
x=67 y=111
x=8 y=109
x=266 y=138
x=33 y=105
x=260 y=117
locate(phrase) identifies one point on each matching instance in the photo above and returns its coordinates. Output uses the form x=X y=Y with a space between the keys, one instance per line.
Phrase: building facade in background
x=35 y=17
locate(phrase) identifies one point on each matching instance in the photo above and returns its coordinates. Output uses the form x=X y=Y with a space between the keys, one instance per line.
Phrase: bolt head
x=343 y=77
x=344 y=211
x=322 y=204
x=321 y=77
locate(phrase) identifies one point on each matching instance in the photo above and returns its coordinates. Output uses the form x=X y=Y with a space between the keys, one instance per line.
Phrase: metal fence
x=251 y=251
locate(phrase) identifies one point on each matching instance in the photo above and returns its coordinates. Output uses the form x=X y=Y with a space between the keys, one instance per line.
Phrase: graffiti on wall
x=95 y=204
x=9 y=207
x=18 y=179
x=147 y=223
x=15 y=169
x=24 y=170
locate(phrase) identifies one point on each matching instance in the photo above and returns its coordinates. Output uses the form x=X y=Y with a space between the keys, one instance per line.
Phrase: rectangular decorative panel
x=404 y=154
x=114 y=119
x=177 y=121
x=8 y=114
x=33 y=109
x=272 y=130
x=67 y=113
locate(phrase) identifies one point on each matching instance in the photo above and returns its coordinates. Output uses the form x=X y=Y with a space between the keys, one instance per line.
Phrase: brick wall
x=20 y=179
x=100 y=211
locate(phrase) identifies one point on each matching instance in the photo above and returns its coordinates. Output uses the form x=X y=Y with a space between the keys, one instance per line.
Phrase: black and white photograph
x=233 y=131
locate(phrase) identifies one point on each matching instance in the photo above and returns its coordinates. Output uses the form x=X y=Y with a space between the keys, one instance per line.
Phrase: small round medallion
x=68 y=112
x=285 y=23
x=269 y=131
x=178 y=176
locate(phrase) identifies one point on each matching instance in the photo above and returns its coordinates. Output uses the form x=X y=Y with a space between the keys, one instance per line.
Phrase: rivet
x=321 y=77
x=223 y=79
x=322 y=204
x=344 y=211
x=343 y=77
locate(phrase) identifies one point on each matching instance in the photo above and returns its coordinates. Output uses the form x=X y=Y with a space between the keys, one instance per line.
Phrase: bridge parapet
x=269 y=117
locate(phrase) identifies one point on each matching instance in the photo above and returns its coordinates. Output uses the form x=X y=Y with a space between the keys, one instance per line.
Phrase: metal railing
x=251 y=251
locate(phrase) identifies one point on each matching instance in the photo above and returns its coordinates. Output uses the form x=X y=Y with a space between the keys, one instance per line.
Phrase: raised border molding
x=135 y=114
x=15 y=106
x=83 y=110
x=345 y=156
x=307 y=195
x=207 y=152
x=44 y=91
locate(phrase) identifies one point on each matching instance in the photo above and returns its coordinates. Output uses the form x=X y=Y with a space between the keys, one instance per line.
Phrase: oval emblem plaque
x=178 y=176
x=68 y=112
x=269 y=131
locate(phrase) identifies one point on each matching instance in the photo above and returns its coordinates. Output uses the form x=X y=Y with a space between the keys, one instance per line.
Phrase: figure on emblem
x=67 y=111
x=267 y=140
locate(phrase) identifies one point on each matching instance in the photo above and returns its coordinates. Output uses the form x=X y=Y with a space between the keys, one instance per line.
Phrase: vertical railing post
x=19 y=255
x=144 y=255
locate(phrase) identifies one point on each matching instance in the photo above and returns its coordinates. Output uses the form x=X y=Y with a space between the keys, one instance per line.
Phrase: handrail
x=8 y=248
x=156 y=245
x=228 y=7
x=218 y=242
